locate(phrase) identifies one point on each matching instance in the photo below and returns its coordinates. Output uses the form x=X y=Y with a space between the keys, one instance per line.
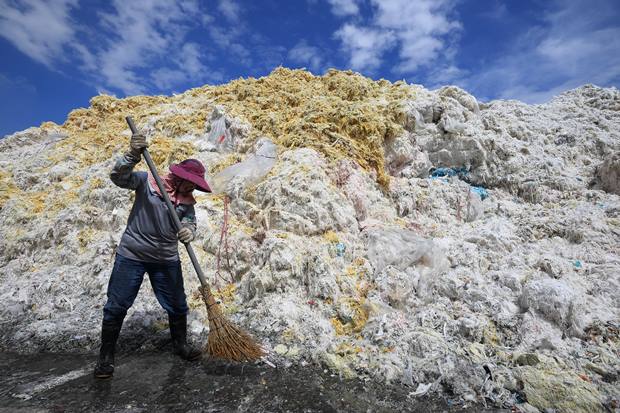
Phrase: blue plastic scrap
x=340 y=249
x=577 y=264
x=462 y=172
x=480 y=191
x=438 y=172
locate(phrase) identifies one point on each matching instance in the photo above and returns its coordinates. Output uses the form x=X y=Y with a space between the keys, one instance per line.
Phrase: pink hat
x=192 y=170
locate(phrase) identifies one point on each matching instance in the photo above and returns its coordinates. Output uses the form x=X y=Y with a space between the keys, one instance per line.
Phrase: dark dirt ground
x=157 y=381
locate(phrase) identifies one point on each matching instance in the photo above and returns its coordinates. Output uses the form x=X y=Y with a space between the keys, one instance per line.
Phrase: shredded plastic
x=236 y=177
x=420 y=282
x=341 y=114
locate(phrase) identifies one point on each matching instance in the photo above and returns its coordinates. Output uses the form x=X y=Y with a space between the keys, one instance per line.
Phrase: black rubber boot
x=109 y=334
x=178 y=331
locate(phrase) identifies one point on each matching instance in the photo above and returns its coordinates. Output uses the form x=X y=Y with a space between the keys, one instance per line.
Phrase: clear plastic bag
x=219 y=135
x=474 y=208
x=401 y=249
x=236 y=177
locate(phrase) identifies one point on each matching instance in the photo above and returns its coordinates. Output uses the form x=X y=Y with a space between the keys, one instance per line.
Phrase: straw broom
x=225 y=339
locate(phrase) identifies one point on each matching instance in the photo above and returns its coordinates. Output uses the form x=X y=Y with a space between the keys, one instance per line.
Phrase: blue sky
x=56 y=54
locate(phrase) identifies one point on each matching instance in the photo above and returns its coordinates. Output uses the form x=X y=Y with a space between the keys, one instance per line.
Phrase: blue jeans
x=166 y=279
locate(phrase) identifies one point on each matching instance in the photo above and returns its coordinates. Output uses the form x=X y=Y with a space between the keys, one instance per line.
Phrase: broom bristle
x=225 y=339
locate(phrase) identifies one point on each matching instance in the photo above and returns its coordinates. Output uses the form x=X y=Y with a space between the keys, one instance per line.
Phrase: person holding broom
x=150 y=245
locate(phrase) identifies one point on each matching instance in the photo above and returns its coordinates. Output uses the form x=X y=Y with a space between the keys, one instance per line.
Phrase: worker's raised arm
x=122 y=173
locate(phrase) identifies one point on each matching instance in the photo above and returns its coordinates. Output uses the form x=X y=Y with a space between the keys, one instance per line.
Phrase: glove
x=137 y=144
x=185 y=235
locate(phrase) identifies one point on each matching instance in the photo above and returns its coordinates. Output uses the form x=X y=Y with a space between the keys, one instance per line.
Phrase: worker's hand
x=137 y=144
x=185 y=235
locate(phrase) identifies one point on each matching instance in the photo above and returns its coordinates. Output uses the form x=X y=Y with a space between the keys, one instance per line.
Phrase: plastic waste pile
x=464 y=249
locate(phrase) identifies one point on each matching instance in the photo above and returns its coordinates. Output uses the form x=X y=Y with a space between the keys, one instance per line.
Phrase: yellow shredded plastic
x=97 y=133
x=227 y=161
x=85 y=236
x=341 y=114
x=96 y=183
x=359 y=319
x=226 y=294
x=345 y=349
x=7 y=187
x=331 y=236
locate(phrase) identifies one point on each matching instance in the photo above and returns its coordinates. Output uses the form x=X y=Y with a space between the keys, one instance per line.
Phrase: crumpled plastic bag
x=474 y=208
x=235 y=178
x=402 y=249
x=219 y=136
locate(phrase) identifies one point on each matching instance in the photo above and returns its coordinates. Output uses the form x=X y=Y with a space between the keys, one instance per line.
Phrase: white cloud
x=206 y=19
x=420 y=27
x=344 y=7
x=143 y=33
x=228 y=40
x=271 y=56
x=132 y=37
x=445 y=74
x=578 y=44
x=230 y=9
x=39 y=29
x=364 y=45
x=135 y=46
x=308 y=55
x=166 y=78
x=103 y=91
x=188 y=68
x=238 y=43
x=191 y=59
x=420 y=31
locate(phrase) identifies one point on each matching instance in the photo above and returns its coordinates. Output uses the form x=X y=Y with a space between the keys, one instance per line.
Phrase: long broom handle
x=171 y=210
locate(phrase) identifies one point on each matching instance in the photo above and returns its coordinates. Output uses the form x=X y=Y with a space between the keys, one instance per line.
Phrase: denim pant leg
x=123 y=288
x=167 y=281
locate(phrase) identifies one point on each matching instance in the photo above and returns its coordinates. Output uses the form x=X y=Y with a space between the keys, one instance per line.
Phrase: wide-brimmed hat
x=191 y=170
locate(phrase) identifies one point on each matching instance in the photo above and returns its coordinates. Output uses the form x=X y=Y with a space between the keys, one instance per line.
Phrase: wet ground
x=160 y=382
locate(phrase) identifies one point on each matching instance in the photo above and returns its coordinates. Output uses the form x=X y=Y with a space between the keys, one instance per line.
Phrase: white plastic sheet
x=219 y=135
x=474 y=208
x=401 y=249
x=240 y=175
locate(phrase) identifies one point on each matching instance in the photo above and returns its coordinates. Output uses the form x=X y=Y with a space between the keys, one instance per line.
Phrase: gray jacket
x=150 y=235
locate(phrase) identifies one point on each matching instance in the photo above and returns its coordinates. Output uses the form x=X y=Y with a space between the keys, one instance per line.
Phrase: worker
x=150 y=245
